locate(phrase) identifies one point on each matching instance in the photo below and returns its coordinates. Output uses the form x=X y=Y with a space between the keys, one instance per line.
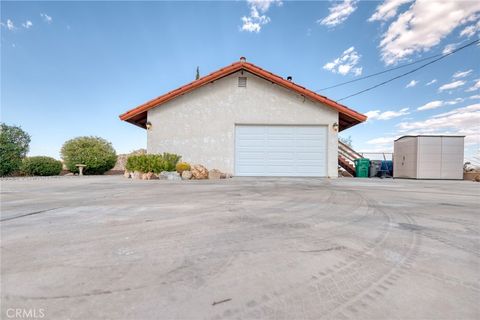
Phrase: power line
x=379 y=73
x=411 y=71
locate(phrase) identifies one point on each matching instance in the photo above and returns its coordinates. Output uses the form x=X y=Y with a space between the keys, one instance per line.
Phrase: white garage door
x=280 y=150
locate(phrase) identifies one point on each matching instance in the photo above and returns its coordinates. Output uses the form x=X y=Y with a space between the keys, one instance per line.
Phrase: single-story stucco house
x=247 y=121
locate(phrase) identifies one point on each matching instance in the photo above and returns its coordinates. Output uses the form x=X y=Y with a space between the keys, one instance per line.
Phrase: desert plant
x=152 y=162
x=14 y=144
x=182 y=166
x=171 y=161
x=96 y=153
x=41 y=166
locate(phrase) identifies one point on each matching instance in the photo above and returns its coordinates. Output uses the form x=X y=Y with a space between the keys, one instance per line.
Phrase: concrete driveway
x=112 y=248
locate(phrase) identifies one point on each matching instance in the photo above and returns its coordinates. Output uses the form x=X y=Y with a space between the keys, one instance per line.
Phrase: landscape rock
x=126 y=174
x=215 y=174
x=187 y=175
x=199 y=172
x=167 y=175
x=136 y=175
x=150 y=176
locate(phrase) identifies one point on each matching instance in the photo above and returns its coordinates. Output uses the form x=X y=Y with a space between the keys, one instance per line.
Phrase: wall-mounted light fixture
x=335 y=126
x=148 y=125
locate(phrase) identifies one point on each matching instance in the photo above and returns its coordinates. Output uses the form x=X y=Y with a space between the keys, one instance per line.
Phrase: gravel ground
x=113 y=248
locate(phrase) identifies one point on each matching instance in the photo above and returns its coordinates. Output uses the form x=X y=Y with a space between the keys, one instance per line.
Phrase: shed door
x=280 y=150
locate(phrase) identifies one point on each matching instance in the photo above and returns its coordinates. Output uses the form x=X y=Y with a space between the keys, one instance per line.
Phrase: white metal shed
x=428 y=157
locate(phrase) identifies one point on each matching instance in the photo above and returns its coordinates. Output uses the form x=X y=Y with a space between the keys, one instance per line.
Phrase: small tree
x=14 y=144
x=96 y=153
x=197 y=76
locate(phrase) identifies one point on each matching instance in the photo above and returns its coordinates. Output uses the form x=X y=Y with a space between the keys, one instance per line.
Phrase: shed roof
x=347 y=117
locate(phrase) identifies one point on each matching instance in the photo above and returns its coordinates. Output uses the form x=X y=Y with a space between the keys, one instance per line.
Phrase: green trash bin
x=361 y=167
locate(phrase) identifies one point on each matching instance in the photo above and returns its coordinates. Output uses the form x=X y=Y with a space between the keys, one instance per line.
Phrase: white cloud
x=439 y=103
x=412 y=83
x=387 y=10
x=27 y=24
x=46 y=17
x=386 y=115
x=423 y=25
x=431 y=105
x=470 y=30
x=431 y=82
x=475 y=87
x=462 y=74
x=257 y=17
x=452 y=85
x=475 y=96
x=339 y=12
x=462 y=121
x=346 y=63
x=449 y=48
x=9 y=25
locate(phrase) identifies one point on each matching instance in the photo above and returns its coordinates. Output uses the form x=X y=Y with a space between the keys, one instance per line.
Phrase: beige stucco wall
x=200 y=125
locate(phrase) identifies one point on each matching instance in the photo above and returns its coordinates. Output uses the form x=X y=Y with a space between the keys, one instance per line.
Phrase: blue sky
x=70 y=68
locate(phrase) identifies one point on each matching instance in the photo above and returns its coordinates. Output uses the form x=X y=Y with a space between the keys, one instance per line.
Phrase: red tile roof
x=347 y=116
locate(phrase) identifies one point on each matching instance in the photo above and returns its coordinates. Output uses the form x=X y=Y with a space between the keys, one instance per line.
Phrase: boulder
x=186 y=175
x=199 y=172
x=215 y=174
x=126 y=174
x=137 y=175
x=150 y=176
x=169 y=175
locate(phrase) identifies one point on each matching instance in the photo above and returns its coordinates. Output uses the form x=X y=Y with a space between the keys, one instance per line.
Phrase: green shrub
x=152 y=162
x=182 y=166
x=13 y=148
x=171 y=161
x=41 y=166
x=96 y=153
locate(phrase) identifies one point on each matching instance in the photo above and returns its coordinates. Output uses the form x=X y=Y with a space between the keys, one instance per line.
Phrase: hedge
x=152 y=162
x=41 y=166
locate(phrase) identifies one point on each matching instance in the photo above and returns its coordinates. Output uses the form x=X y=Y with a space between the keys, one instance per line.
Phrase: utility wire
x=411 y=71
x=378 y=73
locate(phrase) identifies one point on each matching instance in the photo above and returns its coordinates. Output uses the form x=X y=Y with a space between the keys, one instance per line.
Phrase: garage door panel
x=280 y=150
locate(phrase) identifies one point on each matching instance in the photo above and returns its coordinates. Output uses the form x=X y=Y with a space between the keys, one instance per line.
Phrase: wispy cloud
x=411 y=84
x=475 y=87
x=46 y=17
x=27 y=24
x=386 y=115
x=9 y=25
x=439 y=103
x=431 y=105
x=462 y=74
x=339 y=12
x=423 y=26
x=475 y=96
x=257 y=17
x=463 y=121
x=387 y=10
x=346 y=63
x=470 y=30
x=451 y=85
x=431 y=82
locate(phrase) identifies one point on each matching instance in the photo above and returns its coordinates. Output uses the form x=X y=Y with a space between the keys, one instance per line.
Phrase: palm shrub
x=14 y=144
x=41 y=166
x=96 y=153
x=170 y=160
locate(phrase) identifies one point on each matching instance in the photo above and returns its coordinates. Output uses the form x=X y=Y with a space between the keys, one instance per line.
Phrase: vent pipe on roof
x=243 y=59
x=289 y=78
